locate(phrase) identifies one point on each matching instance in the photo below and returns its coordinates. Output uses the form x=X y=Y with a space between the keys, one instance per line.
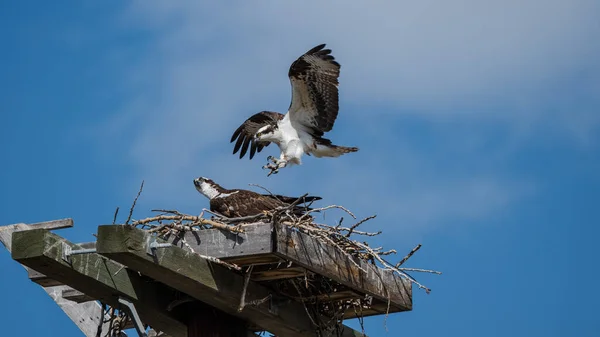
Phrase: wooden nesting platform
x=125 y=265
x=281 y=252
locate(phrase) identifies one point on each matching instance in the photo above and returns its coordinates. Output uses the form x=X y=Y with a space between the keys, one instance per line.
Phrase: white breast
x=295 y=141
x=288 y=132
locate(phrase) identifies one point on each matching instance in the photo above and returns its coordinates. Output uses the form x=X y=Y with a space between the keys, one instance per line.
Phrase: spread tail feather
x=330 y=150
x=344 y=149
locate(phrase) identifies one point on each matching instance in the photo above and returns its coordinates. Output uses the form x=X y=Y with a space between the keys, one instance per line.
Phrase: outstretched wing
x=314 y=78
x=245 y=133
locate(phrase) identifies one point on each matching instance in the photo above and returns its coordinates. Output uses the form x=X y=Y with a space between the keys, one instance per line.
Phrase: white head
x=267 y=133
x=207 y=187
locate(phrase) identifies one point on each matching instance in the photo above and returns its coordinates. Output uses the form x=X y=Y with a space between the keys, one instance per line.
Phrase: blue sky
x=478 y=125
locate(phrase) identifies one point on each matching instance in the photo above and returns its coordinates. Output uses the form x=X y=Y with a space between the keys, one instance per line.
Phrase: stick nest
x=311 y=289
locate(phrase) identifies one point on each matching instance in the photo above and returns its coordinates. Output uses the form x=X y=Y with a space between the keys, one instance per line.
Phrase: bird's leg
x=281 y=164
x=271 y=167
x=274 y=168
x=276 y=165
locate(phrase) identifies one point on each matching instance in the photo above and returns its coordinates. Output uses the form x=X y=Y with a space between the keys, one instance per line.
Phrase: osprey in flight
x=239 y=203
x=312 y=112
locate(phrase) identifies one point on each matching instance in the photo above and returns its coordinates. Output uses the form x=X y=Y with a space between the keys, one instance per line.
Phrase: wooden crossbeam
x=41 y=279
x=76 y=296
x=208 y=282
x=86 y=316
x=97 y=277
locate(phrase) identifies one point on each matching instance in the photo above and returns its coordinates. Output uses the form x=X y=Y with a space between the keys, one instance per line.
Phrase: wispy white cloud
x=429 y=56
x=466 y=70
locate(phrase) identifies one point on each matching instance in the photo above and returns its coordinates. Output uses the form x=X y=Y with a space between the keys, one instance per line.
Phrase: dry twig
x=263 y=188
x=414 y=250
x=134 y=202
x=422 y=270
x=353 y=227
x=195 y=221
x=306 y=214
x=246 y=281
x=115 y=216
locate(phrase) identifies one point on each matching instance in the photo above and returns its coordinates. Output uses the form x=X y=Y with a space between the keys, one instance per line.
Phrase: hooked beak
x=198 y=181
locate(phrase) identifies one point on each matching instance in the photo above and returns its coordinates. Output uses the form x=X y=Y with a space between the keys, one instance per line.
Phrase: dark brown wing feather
x=289 y=200
x=244 y=203
x=247 y=203
x=245 y=133
x=314 y=77
x=300 y=208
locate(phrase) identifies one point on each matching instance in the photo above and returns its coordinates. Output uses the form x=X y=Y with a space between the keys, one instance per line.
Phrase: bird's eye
x=258 y=134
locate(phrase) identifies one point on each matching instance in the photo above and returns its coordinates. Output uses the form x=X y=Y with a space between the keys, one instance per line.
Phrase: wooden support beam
x=210 y=283
x=97 y=277
x=35 y=275
x=86 y=316
x=276 y=273
x=45 y=281
x=76 y=296
x=41 y=279
x=49 y=225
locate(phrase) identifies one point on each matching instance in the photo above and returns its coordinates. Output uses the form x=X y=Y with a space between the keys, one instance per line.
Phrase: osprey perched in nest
x=312 y=112
x=239 y=203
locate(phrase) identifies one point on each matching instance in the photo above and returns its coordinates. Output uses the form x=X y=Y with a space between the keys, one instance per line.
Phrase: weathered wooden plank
x=41 y=279
x=49 y=225
x=76 y=296
x=255 y=241
x=254 y=259
x=7 y=231
x=53 y=224
x=86 y=316
x=205 y=281
x=328 y=261
x=276 y=274
x=97 y=277
x=34 y=275
x=340 y=295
